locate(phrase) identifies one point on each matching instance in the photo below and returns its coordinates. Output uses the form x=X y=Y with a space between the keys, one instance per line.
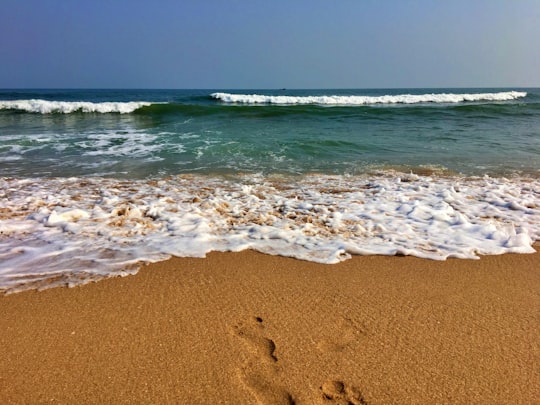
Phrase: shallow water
x=87 y=193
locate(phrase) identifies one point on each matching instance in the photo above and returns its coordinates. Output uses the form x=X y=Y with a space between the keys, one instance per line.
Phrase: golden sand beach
x=248 y=328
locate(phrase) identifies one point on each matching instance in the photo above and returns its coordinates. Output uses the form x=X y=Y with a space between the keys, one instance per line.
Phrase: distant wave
x=367 y=100
x=67 y=107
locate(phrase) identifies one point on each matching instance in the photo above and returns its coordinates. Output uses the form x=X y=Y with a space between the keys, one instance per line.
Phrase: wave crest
x=367 y=100
x=67 y=107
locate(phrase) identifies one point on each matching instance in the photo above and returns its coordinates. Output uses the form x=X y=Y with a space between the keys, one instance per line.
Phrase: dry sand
x=245 y=328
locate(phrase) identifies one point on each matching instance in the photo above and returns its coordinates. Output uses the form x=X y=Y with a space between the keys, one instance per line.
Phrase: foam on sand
x=73 y=230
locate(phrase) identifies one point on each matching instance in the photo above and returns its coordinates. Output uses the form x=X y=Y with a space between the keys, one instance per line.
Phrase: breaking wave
x=41 y=106
x=67 y=107
x=367 y=100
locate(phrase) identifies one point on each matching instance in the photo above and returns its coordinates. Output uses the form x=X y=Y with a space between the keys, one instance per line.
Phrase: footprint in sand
x=337 y=392
x=348 y=334
x=253 y=334
x=264 y=388
x=261 y=373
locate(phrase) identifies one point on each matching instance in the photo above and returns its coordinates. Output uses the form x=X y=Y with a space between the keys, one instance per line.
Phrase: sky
x=243 y=44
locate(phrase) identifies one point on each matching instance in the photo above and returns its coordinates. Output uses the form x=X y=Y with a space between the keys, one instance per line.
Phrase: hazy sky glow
x=269 y=44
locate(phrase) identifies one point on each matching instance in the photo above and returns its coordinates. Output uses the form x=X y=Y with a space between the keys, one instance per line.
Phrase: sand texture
x=247 y=328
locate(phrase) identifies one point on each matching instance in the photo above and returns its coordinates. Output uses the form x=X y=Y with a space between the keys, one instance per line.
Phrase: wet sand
x=247 y=328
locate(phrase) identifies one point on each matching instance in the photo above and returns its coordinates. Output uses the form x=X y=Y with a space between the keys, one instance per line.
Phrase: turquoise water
x=185 y=131
x=95 y=182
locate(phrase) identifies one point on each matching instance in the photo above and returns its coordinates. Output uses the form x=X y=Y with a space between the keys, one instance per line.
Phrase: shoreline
x=102 y=226
x=251 y=328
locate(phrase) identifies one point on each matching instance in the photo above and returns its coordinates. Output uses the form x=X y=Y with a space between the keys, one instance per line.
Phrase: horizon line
x=267 y=88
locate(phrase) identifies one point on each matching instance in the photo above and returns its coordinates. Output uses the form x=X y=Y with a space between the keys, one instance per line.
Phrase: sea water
x=95 y=182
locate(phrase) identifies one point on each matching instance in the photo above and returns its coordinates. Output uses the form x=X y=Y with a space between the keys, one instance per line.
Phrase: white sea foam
x=367 y=100
x=134 y=143
x=69 y=231
x=67 y=107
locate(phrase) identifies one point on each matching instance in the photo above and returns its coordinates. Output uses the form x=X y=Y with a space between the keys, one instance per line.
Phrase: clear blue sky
x=269 y=44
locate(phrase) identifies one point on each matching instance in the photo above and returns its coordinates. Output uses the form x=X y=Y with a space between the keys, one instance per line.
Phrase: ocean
x=96 y=182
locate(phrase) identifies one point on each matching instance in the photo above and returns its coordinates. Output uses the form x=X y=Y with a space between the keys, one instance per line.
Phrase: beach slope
x=244 y=328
